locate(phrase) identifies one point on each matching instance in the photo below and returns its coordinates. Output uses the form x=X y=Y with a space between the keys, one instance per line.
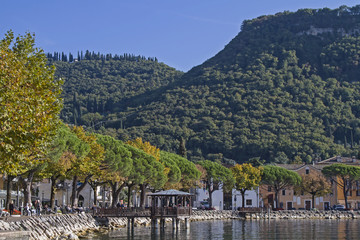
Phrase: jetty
x=171 y=203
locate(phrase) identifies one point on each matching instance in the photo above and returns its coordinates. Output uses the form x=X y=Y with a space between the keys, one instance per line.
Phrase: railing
x=142 y=212
x=122 y=212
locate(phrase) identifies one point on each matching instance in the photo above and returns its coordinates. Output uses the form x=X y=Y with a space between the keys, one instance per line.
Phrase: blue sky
x=180 y=33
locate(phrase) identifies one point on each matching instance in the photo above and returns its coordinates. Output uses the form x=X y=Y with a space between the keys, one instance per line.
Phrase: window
x=248 y=202
x=283 y=192
x=307 y=170
x=269 y=189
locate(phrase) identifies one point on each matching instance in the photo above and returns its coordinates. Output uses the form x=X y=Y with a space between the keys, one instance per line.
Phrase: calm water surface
x=238 y=229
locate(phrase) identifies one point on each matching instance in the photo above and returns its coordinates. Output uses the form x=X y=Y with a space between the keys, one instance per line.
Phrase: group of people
x=36 y=209
x=31 y=209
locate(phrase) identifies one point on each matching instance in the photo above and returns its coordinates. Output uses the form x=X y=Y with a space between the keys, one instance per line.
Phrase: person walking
x=11 y=208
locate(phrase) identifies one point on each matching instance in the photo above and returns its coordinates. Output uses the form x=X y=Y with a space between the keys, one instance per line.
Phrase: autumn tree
x=146 y=147
x=343 y=175
x=314 y=184
x=216 y=175
x=82 y=169
x=29 y=105
x=279 y=178
x=64 y=150
x=246 y=178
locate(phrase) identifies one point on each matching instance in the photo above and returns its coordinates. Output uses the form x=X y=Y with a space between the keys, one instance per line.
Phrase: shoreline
x=73 y=226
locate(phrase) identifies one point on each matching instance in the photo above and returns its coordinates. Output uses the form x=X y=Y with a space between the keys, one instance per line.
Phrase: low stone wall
x=199 y=215
x=70 y=226
x=304 y=214
x=54 y=226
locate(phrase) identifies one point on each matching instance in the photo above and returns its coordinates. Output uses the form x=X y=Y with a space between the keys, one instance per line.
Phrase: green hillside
x=284 y=89
x=97 y=87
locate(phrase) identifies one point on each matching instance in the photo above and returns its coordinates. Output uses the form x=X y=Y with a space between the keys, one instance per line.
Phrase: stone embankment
x=199 y=215
x=66 y=226
x=303 y=214
x=70 y=226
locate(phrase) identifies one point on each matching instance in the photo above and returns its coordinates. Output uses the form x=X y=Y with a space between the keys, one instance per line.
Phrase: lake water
x=238 y=229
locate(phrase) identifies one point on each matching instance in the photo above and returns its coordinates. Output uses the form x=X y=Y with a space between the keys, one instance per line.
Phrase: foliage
x=314 y=184
x=246 y=176
x=29 y=103
x=216 y=176
x=343 y=175
x=118 y=159
x=146 y=169
x=188 y=176
x=146 y=147
x=63 y=151
x=91 y=162
x=279 y=178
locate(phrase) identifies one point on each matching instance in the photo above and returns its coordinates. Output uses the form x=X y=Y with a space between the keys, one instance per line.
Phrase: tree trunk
x=8 y=190
x=95 y=194
x=27 y=187
x=345 y=195
x=129 y=195
x=52 y=191
x=73 y=198
x=313 y=200
x=142 y=195
x=116 y=189
x=76 y=190
x=243 y=198
x=210 y=195
x=276 y=198
x=115 y=196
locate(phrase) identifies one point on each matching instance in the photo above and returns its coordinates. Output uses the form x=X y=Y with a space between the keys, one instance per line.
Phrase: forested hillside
x=285 y=89
x=97 y=86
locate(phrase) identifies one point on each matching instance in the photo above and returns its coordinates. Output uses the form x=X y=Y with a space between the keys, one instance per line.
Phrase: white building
x=251 y=198
x=202 y=195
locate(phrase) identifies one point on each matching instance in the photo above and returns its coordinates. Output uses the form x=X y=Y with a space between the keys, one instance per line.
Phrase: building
x=224 y=201
x=354 y=194
x=252 y=198
x=289 y=200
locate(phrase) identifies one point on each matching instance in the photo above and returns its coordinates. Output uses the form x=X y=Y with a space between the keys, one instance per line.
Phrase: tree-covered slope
x=96 y=86
x=286 y=88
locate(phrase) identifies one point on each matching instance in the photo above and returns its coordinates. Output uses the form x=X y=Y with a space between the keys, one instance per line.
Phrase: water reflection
x=237 y=229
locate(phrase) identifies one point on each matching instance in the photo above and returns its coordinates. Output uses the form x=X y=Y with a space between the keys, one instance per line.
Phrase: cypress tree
x=71 y=57
x=182 y=148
